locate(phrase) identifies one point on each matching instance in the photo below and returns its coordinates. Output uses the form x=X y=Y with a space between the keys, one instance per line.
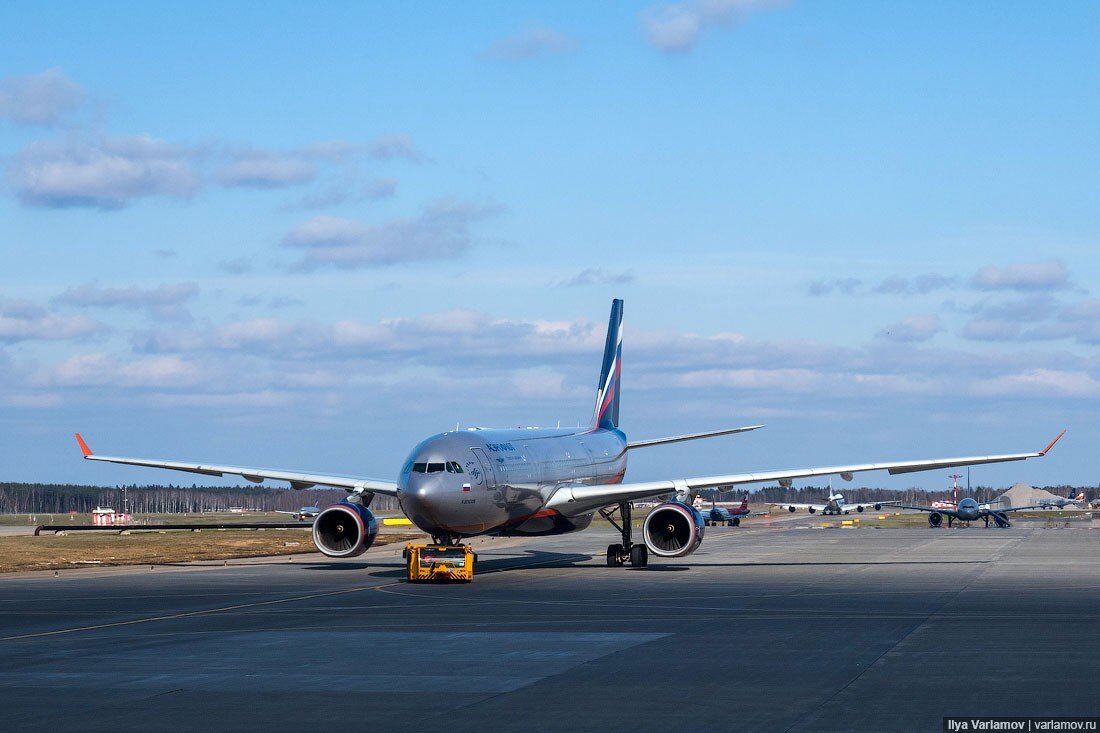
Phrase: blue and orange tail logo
x=606 y=414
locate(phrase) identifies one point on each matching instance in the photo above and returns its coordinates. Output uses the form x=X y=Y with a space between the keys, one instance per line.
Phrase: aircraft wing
x=255 y=475
x=929 y=509
x=870 y=504
x=577 y=500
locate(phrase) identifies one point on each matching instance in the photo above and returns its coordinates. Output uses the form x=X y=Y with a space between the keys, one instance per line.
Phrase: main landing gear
x=618 y=555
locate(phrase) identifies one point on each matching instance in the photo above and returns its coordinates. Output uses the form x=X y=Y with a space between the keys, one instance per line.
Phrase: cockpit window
x=435 y=467
x=420 y=467
x=453 y=467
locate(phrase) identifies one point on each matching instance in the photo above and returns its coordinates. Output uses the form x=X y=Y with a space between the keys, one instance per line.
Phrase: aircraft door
x=482 y=470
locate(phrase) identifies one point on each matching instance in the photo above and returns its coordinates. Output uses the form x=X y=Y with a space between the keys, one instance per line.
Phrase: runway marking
x=184 y=614
x=952 y=596
x=239 y=606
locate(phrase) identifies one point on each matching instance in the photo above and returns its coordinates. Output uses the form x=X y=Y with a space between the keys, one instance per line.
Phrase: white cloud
x=441 y=231
x=533 y=41
x=42 y=99
x=843 y=285
x=1024 y=276
x=919 y=285
x=99 y=369
x=912 y=328
x=107 y=173
x=991 y=329
x=164 y=302
x=346 y=191
x=599 y=276
x=389 y=147
x=1042 y=382
x=264 y=169
x=21 y=320
x=677 y=27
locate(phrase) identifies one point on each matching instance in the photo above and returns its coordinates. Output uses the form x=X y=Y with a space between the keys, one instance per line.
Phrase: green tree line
x=19 y=498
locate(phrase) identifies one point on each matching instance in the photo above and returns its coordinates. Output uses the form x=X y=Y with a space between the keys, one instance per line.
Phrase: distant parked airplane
x=969 y=510
x=717 y=515
x=835 y=504
x=306 y=512
x=1060 y=502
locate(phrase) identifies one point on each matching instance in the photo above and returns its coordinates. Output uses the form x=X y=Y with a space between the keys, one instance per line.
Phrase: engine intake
x=673 y=529
x=935 y=519
x=344 y=530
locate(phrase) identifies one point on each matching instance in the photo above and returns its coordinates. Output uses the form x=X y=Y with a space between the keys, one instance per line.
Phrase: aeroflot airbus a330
x=536 y=481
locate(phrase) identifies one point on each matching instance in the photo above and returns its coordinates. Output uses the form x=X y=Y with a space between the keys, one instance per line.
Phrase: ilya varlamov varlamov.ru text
x=1021 y=724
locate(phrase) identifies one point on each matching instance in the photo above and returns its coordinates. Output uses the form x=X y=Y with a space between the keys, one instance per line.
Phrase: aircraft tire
x=737 y=522
x=614 y=556
x=639 y=556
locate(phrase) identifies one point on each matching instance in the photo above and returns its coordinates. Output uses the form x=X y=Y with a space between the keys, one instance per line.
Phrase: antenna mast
x=955 y=488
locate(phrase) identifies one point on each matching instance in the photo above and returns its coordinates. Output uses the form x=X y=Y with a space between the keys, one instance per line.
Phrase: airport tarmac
x=765 y=628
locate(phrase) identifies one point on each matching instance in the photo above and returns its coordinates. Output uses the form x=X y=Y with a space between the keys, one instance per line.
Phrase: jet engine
x=673 y=529
x=1000 y=519
x=344 y=530
x=935 y=519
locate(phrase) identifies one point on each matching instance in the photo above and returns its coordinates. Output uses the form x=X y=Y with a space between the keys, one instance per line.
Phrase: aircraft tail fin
x=606 y=414
x=745 y=503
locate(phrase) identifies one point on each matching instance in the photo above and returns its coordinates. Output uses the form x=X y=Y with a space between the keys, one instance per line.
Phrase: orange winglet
x=83 y=446
x=1043 y=452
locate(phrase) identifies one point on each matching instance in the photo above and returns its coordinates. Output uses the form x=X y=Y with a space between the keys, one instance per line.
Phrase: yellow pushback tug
x=439 y=563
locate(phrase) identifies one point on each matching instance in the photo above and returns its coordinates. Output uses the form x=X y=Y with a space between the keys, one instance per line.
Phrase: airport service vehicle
x=717 y=515
x=969 y=510
x=439 y=563
x=536 y=481
x=306 y=512
x=835 y=504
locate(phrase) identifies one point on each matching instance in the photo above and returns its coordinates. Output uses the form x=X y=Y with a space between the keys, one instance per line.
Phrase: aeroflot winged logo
x=607 y=395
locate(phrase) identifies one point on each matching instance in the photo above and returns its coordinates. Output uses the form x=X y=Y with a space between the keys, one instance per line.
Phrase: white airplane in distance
x=306 y=512
x=835 y=504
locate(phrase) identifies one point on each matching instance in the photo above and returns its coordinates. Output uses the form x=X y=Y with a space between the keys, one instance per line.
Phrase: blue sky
x=307 y=237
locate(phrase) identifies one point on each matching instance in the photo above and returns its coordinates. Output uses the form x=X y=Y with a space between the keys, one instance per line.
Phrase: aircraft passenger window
x=435 y=467
x=420 y=467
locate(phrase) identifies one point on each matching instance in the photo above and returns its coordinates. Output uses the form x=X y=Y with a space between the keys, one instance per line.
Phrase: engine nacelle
x=673 y=529
x=878 y=507
x=811 y=510
x=344 y=530
x=935 y=519
x=860 y=509
x=791 y=509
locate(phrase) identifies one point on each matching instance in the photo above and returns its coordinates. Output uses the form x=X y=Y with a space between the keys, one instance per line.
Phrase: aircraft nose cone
x=422 y=501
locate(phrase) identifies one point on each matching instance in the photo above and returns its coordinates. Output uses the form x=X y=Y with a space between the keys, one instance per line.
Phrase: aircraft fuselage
x=471 y=482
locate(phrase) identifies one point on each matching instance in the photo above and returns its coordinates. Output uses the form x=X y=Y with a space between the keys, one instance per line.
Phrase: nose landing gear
x=618 y=555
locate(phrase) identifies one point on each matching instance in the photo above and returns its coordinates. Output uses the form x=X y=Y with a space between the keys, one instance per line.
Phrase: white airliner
x=835 y=504
x=536 y=481
x=306 y=512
